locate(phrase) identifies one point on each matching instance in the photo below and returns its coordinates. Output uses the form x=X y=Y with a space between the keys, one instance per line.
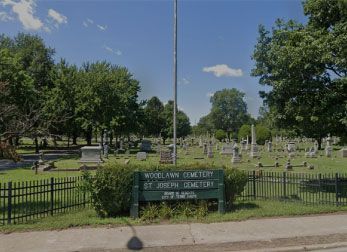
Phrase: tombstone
x=146 y=145
x=247 y=142
x=269 y=146
x=243 y=145
x=121 y=144
x=227 y=149
x=288 y=166
x=210 y=151
x=311 y=153
x=316 y=146
x=200 y=143
x=254 y=148
x=185 y=148
x=217 y=147
x=236 y=157
x=166 y=157
x=141 y=156
x=106 y=149
x=328 y=147
x=91 y=154
x=343 y=152
x=205 y=148
x=291 y=147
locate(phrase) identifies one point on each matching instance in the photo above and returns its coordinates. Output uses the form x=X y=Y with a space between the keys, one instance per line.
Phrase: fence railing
x=307 y=188
x=22 y=201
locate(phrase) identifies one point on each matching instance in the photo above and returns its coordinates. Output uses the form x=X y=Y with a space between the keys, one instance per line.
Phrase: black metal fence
x=307 y=188
x=22 y=201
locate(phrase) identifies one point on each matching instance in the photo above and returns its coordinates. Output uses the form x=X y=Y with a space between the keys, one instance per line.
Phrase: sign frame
x=177 y=185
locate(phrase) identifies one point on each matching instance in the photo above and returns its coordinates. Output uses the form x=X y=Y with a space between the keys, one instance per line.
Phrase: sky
x=216 y=39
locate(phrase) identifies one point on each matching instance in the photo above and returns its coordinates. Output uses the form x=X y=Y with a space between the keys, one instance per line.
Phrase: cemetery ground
x=242 y=210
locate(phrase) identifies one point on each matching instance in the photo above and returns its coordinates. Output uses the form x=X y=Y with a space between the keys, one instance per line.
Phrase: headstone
x=316 y=146
x=236 y=157
x=141 y=156
x=146 y=145
x=254 y=148
x=291 y=147
x=311 y=153
x=106 y=149
x=205 y=148
x=210 y=151
x=328 y=147
x=343 y=152
x=227 y=149
x=269 y=146
x=243 y=145
x=217 y=147
x=91 y=154
x=200 y=143
x=247 y=142
x=166 y=157
x=121 y=144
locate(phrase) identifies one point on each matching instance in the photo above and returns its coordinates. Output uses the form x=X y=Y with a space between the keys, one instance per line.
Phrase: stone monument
x=254 y=148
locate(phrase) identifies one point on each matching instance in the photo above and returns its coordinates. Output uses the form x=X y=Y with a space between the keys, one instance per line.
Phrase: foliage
x=182 y=124
x=220 y=134
x=244 y=131
x=306 y=67
x=112 y=186
x=262 y=134
x=110 y=189
x=154 y=116
x=235 y=181
x=228 y=112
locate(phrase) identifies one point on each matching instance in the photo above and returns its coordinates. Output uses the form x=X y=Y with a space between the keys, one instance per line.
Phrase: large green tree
x=182 y=122
x=229 y=110
x=306 y=67
x=154 y=116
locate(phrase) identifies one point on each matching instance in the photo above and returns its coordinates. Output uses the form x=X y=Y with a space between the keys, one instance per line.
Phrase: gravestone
x=166 y=157
x=200 y=143
x=311 y=153
x=91 y=154
x=227 y=149
x=343 y=152
x=243 y=145
x=141 y=156
x=236 y=156
x=146 y=145
x=254 y=148
x=205 y=148
x=328 y=147
x=269 y=146
x=316 y=145
x=210 y=151
x=106 y=149
x=247 y=142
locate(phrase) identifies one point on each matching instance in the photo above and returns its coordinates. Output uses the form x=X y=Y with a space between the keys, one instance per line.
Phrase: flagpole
x=175 y=84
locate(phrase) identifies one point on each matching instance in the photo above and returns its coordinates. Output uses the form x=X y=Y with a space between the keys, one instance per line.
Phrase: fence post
x=52 y=195
x=284 y=185
x=254 y=190
x=337 y=188
x=9 y=202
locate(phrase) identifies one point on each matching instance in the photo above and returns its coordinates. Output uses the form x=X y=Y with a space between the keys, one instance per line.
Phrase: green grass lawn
x=242 y=210
x=321 y=164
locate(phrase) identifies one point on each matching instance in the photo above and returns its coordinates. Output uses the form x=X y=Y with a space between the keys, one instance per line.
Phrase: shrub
x=235 y=181
x=220 y=134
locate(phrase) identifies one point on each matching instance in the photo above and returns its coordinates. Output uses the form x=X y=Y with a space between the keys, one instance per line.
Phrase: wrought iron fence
x=307 y=188
x=23 y=201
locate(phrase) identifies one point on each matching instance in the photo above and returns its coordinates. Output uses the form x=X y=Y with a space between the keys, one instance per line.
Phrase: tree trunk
x=319 y=140
x=111 y=138
x=68 y=140
x=37 y=150
x=74 y=138
x=89 y=135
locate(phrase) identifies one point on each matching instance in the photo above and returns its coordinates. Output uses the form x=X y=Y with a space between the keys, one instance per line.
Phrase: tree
x=206 y=125
x=244 y=131
x=182 y=124
x=306 y=67
x=229 y=110
x=154 y=117
x=220 y=134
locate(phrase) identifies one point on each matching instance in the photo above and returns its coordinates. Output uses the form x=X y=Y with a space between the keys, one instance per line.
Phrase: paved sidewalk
x=181 y=236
